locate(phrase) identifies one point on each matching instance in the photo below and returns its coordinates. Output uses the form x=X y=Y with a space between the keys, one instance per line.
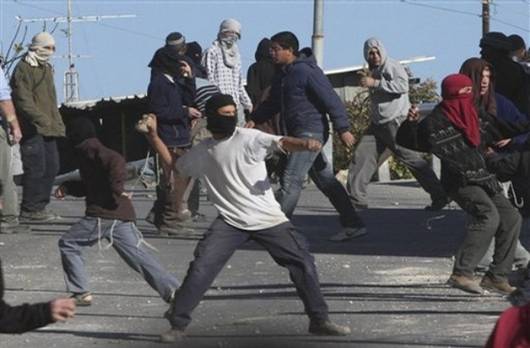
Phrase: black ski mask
x=217 y=123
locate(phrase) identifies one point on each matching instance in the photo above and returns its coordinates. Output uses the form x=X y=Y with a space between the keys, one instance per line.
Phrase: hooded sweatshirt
x=103 y=173
x=303 y=95
x=390 y=96
x=261 y=73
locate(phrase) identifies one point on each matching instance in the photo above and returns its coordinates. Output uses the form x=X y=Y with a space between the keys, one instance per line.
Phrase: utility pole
x=317 y=39
x=485 y=17
x=71 y=76
x=317 y=42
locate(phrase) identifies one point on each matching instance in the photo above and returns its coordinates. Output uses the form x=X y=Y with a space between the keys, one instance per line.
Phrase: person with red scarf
x=508 y=159
x=512 y=329
x=458 y=132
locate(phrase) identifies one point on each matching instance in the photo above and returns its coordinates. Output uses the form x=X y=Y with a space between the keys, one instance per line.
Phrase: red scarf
x=459 y=108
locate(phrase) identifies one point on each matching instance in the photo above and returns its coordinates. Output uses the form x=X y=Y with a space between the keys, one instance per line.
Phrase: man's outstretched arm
x=291 y=144
x=154 y=140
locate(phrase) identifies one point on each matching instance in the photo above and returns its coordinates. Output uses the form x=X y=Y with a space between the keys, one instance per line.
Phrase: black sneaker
x=172 y=335
x=328 y=328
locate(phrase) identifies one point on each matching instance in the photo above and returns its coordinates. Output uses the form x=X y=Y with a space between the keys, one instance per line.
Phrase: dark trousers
x=492 y=216
x=40 y=159
x=286 y=246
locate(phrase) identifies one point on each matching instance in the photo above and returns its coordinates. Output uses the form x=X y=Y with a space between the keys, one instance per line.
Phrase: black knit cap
x=80 y=129
x=517 y=42
x=218 y=101
x=194 y=51
x=496 y=40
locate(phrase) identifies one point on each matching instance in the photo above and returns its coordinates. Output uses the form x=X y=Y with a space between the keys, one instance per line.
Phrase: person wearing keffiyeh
x=223 y=65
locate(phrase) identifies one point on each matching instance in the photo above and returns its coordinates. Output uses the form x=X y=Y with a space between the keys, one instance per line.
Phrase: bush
x=359 y=113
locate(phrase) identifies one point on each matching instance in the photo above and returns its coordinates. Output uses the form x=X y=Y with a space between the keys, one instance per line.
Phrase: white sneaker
x=349 y=233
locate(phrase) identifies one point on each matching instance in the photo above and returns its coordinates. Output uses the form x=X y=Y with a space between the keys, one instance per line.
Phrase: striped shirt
x=204 y=89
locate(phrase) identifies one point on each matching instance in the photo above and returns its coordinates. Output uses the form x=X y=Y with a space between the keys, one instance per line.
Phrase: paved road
x=388 y=286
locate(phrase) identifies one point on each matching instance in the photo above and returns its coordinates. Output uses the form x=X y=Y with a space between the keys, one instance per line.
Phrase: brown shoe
x=499 y=286
x=465 y=283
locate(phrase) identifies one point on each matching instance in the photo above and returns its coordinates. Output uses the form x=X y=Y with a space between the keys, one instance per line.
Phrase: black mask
x=221 y=124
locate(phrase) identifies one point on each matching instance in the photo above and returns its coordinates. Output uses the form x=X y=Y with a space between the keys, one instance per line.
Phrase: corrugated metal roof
x=359 y=67
x=89 y=104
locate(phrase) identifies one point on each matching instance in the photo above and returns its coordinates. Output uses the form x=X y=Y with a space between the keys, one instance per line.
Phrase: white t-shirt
x=235 y=173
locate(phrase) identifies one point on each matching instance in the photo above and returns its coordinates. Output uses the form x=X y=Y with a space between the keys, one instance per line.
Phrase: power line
x=441 y=8
x=37 y=7
x=157 y=38
x=409 y=2
x=510 y=24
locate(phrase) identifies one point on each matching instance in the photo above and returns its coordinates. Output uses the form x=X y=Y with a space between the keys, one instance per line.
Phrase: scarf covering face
x=167 y=61
x=217 y=123
x=229 y=49
x=459 y=108
x=37 y=53
x=473 y=68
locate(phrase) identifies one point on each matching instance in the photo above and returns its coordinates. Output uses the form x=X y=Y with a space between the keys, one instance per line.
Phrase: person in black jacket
x=510 y=76
x=260 y=73
x=459 y=135
x=27 y=317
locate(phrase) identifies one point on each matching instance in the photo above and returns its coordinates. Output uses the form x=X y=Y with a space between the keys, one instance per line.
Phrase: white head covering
x=230 y=24
x=39 y=49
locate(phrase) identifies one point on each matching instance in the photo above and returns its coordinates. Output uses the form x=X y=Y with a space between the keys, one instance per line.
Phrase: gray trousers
x=286 y=246
x=376 y=145
x=492 y=217
x=126 y=241
x=520 y=258
x=9 y=198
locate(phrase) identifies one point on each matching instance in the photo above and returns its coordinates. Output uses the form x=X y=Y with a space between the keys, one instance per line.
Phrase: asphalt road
x=388 y=286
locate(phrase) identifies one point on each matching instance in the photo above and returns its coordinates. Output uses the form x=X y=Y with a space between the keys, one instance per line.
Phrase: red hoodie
x=512 y=329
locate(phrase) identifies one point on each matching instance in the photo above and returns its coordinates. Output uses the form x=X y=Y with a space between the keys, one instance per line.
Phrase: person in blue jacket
x=303 y=95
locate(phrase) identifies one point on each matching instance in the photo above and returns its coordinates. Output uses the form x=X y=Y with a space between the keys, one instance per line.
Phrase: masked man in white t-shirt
x=232 y=163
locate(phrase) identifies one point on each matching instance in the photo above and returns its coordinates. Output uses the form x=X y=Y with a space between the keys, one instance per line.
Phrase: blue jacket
x=166 y=99
x=302 y=94
x=507 y=111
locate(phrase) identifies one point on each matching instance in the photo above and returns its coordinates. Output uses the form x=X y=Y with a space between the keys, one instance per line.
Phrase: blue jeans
x=301 y=163
x=40 y=159
x=125 y=240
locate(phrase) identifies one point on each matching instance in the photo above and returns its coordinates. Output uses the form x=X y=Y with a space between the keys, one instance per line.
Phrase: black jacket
x=167 y=99
x=510 y=81
x=26 y=317
x=462 y=163
x=261 y=73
